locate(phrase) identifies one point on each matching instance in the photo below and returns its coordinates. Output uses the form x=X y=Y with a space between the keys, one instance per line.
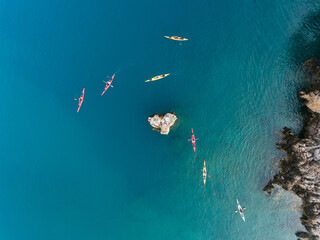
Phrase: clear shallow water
x=102 y=173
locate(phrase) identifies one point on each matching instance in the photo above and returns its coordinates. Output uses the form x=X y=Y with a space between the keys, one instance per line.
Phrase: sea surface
x=103 y=173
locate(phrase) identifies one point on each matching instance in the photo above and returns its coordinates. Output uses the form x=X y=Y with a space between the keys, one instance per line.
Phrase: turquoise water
x=103 y=173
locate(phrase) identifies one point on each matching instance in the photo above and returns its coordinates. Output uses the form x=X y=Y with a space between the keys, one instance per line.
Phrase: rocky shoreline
x=300 y=171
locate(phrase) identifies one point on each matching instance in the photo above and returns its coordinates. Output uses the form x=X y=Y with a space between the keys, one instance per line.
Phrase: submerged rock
x=162 y=122
x=313 y=68
x=303 y=235
x=300 y=171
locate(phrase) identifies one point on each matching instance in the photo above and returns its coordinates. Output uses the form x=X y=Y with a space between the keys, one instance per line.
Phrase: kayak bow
x=176 y=38
x=157 y=77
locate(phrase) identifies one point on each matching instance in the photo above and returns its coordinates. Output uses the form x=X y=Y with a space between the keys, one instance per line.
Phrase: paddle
x=207 y=174
x=242 y=209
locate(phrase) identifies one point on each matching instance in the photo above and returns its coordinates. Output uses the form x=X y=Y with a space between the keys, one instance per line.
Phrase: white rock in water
x=162 y=123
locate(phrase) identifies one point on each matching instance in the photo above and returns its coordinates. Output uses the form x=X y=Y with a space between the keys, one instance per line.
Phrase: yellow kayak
x=176 y=38
x=204 y=173
x=158 y=77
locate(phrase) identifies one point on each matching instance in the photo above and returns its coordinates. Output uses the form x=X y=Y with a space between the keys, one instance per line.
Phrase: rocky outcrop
x=313 y=100
x=312 y=66
x=162 y=122
x=300 y=171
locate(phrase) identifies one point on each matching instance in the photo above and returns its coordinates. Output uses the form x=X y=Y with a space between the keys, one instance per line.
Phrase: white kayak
x=240 y=211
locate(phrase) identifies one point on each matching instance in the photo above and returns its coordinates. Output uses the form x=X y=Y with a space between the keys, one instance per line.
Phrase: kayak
x=204 y=173
x=108 y=84
x=157 y=77
x=80 y=99
x=176 y=38
x=193 y=140
x=240 y=211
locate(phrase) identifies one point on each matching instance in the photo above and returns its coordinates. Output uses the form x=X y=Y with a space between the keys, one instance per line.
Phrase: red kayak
x=108 y=84
x=193 y=140
x=80 y=99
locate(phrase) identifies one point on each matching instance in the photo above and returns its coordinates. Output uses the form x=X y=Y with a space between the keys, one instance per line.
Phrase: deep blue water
x=103 y=173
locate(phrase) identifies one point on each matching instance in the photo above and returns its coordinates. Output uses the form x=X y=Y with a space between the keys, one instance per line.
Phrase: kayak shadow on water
x=121 y=69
